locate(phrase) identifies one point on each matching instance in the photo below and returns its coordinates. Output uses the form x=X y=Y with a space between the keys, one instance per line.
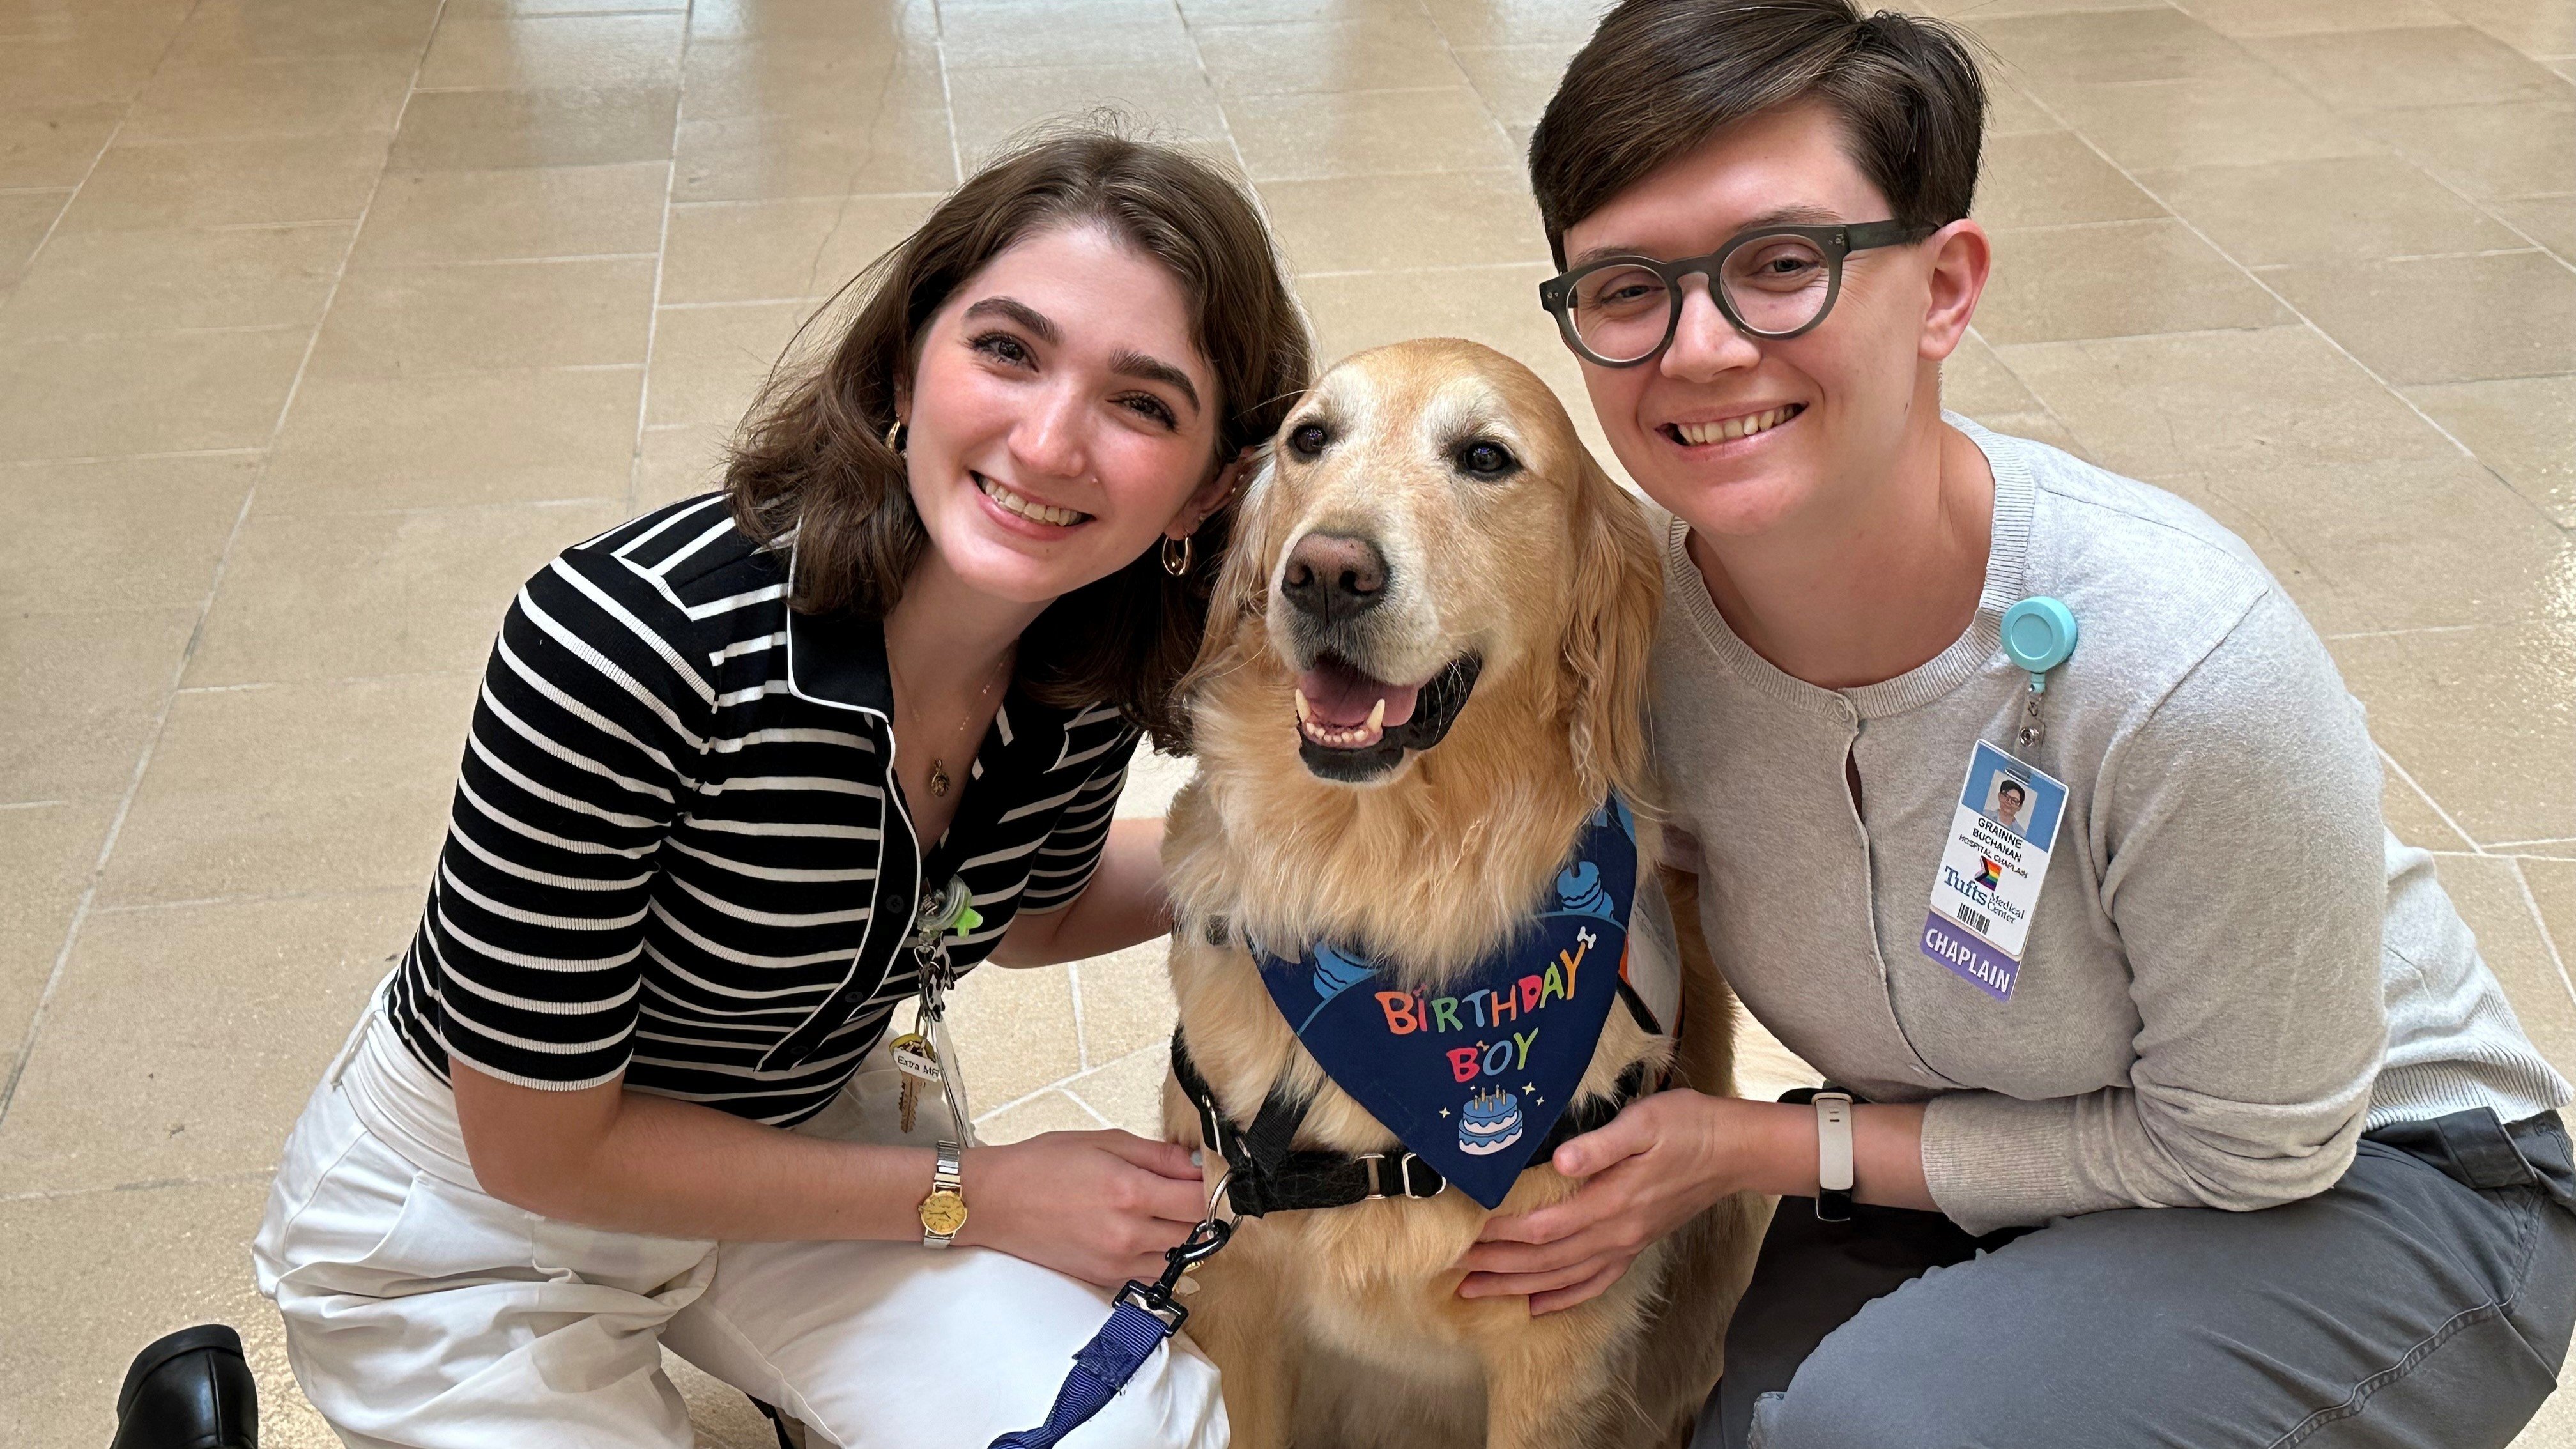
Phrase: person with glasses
x=2187 y=1115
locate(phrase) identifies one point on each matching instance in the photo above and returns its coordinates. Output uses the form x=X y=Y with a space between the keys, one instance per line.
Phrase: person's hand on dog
x=1101 y=1206
x=1659 y=1163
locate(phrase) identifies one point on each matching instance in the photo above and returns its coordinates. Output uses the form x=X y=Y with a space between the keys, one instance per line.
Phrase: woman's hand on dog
x=1101 y=1206
x=1659 y=1163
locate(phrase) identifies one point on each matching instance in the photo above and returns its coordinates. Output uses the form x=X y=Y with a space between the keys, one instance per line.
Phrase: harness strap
x=1304 y=1180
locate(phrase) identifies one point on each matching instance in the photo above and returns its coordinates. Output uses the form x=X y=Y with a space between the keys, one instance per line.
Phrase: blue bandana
x=1472 y=1080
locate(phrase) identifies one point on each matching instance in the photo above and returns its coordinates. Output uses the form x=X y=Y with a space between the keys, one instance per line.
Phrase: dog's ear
x=1618 y=589
x=1242 y=584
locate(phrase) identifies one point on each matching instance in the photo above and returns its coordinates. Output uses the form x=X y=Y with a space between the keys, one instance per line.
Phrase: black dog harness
x=1269 y=1176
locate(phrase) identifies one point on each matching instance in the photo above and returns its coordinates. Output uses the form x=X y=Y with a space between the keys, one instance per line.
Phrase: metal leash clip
x=1156 y=1297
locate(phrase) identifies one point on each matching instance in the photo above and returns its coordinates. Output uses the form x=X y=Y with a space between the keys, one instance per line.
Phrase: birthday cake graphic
x=1490 y=1123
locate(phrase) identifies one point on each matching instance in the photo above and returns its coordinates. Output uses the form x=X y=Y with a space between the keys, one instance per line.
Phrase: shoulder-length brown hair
x=813 y=462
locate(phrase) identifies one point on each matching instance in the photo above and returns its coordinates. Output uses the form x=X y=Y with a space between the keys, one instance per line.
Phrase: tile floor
x=326 y=320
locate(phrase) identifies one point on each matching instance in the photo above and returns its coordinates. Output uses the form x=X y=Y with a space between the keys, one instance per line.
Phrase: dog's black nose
x=1334 y=574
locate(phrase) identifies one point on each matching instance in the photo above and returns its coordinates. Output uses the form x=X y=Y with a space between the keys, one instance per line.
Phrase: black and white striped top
x=672 y=852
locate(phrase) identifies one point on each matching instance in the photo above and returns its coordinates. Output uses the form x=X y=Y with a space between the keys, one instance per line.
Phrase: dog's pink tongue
x=1341 y=695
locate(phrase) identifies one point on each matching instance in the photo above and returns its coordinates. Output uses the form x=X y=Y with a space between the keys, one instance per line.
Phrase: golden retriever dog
x=1425 y=668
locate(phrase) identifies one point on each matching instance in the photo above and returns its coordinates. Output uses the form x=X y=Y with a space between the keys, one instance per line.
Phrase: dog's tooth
x=1305 y=711
x=1377 y=714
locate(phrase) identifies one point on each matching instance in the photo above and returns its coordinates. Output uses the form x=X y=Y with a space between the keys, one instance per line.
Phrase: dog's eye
x=1308 y=439
x=1487 y=460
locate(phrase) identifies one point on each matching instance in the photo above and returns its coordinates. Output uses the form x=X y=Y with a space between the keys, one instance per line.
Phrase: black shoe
x=191 y=1390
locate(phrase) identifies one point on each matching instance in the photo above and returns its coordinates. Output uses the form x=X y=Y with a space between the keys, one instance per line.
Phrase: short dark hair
x=1659 y=76
x=813 y=460
x=2014 y=786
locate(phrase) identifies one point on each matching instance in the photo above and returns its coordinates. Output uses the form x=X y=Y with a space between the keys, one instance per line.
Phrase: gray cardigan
x=2233 y=970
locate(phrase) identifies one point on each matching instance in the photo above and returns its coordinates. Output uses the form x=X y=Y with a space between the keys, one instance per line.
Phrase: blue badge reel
x=1472 y=1077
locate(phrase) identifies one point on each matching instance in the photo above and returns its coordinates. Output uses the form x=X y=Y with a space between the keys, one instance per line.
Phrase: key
x=918 y=1060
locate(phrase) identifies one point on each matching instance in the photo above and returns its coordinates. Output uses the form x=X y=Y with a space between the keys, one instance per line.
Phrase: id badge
x=1991 y=869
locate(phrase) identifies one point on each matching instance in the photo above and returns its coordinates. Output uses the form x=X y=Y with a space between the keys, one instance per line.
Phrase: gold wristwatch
x=944 y=1211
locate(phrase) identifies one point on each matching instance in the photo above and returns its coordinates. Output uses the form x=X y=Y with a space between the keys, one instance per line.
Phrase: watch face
x=943 y=1212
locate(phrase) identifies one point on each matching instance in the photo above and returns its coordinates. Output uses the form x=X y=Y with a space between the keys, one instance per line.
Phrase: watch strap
x=1833 y=1156
x=946 y=1175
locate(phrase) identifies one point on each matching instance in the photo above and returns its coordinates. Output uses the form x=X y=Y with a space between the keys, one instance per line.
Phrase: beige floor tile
x=709 y=362
x=132 y=533
x=813 y=20
x=1045 y=34
x=1511 y=22
x=679 y=462
x=759 y=158
x=91 y=283
x=1128 y=1092
x=2334 y=209
x=48 y=850
x=2113 y=46
x=514 y=215
x=1378 y=53
x=1367 y=133
x=1050 y=1111
x=225 y=30
x=1202 y=13
x=751 y=251
x=25 y=218
x=1385 y=223
x=228 y=1014
x=76 y=69
x=310 y=597
x=2051 y=178
x=54 y=145
x=454 y=439
x=2520 y=427
x=805 y=77
x=1015 y=1028
x=487 y=130
x=2118 y=279
x=2206 y=401
x=409 y=321
x=2360 y=70
x=2534 y=27
x=115 y=1271
x=2450 y=319
x=2426 y=543
x=2484 y=719
x=2243 y=18
x=2489 y=892
x=1516 y=81
x=84 y=689
x=145 y=393
x=247 y=181
x=2548 y=220
x=2413 y=817
x=2553 y=889
x=1976 y=382
x=1126 y=1001
x=555 y=51
x=2237 y=122
x=1497 y=306
x=295 y=788
x=1978 y=10
x=2011 y=110
x=319 y=95
x=2494 y=149
x=1167 y=102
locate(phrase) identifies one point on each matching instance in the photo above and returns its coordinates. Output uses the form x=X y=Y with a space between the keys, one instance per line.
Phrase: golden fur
x=1342 y=1327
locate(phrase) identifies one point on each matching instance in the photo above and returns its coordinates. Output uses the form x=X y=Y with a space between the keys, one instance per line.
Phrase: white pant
x=422 y=1312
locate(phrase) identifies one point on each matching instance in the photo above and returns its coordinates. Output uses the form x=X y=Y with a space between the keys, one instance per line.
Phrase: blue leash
x=1144 y=1315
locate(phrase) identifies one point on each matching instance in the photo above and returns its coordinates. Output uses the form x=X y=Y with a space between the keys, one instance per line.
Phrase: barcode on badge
x=1974 y=919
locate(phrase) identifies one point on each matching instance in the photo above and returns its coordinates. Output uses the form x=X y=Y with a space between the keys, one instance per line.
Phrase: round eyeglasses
x=1771 y=282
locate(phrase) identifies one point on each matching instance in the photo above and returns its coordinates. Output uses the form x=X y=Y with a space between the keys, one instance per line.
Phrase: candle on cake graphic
x=1490 y=1123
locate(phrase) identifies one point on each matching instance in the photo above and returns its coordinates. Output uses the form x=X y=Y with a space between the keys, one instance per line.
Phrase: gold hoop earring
x=894 y=435
x=1176 y=564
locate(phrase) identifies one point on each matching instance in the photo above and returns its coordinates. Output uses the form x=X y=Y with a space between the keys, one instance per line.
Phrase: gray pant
x=2424 y=1302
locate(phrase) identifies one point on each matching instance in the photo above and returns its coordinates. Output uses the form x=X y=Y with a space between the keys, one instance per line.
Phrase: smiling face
x=1735 y=434
x=1060 y=419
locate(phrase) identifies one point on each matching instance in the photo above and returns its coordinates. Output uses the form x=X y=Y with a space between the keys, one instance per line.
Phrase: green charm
x=968 y=919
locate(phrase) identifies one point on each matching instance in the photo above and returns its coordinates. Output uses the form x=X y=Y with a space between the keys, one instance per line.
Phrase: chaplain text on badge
x=1991 y=869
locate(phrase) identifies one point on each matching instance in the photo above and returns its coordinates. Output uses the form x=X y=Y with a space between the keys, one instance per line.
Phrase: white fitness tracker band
x=1834 y=1156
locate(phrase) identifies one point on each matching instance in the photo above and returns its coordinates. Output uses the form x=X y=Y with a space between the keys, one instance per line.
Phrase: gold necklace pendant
x=938 y=776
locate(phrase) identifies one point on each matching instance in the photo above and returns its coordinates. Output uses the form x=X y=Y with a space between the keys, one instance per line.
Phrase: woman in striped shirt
x=628 y=1087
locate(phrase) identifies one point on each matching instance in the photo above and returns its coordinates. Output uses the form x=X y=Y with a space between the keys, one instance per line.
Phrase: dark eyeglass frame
x=1836 y=242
